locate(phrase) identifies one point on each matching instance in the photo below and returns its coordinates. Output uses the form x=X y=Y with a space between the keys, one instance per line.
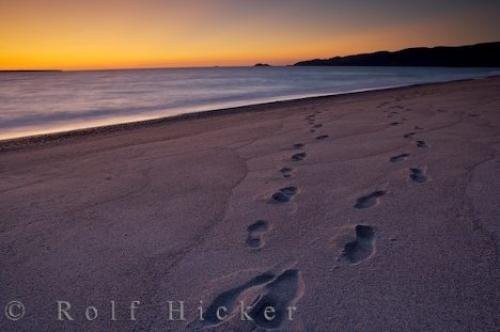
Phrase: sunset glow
x=154 y=33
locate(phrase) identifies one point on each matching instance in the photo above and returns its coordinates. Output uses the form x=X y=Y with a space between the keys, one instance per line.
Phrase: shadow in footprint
x=320 y=137
x=362 y=246
x=399 y=157
x=421 y=144
x=229 y=298
x=369 y=200
x=299 y=156
x=280 y=294
x=409 y=135
x=284 y=194
x=261 y=292
x=298 y=145
x=255 y=234
x=417 y=175
x=286 y=172
x=319 y=125
x=394 y=123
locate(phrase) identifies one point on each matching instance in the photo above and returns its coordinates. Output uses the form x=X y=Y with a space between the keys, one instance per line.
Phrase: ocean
x=44 y=102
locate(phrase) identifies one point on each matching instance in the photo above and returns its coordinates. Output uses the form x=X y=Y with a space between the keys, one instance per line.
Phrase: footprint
x=369 y=200
x=320 y=137
x=356 y=243
x=299 y=156
x=418 y=128
x=229 y=300
x=298 y=145
x=312 y=130
x=285 y=171
x=310 y=119
x=422 y=144
x=382 y=104
x=409 y=135
x=284 y=194
x=394 y=124
x=417 y=175
x=255 y=234
x=280 y=294
x=399 y=157
x=319 y=125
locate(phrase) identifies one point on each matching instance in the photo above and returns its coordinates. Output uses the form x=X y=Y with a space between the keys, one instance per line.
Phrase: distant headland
x=478 y=55
x=262 y=65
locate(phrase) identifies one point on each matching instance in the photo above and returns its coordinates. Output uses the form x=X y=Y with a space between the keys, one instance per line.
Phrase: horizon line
x=153 y=67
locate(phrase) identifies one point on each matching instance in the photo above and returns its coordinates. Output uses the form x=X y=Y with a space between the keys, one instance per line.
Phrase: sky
x=98 y=34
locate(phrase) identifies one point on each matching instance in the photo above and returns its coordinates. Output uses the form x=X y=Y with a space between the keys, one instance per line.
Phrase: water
x=35 y=103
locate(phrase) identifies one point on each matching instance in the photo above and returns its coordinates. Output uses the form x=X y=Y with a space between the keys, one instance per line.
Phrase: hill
x=479 y=55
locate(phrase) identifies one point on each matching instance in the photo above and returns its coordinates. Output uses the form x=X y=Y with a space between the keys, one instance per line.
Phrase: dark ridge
x=479 y=55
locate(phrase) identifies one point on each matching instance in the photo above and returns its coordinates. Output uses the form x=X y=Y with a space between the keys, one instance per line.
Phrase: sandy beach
x=373 y=211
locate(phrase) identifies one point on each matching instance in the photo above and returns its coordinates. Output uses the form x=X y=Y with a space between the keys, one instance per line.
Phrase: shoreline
x=381 y=205
x=38 y=139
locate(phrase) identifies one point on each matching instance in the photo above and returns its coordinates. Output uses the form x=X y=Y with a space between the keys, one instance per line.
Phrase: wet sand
x=365 y=212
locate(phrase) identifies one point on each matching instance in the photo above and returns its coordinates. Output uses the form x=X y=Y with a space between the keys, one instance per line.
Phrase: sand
x=374 y=211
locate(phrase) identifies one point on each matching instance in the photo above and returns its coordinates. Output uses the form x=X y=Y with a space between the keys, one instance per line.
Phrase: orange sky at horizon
x=55 y=34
